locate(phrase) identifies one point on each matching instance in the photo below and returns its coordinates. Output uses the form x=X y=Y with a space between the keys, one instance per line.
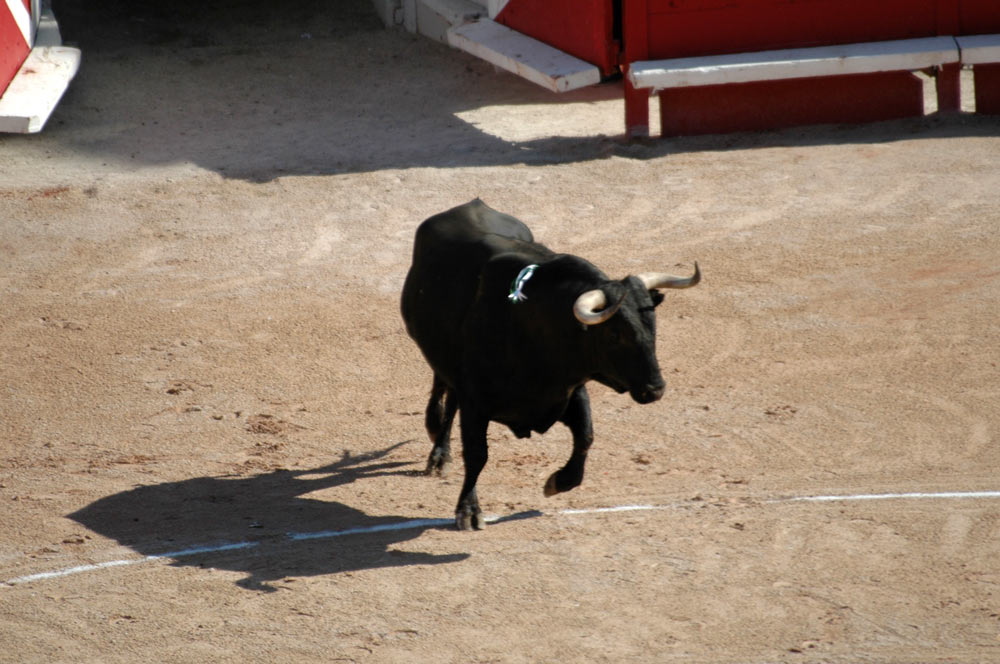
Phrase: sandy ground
x=200 y=346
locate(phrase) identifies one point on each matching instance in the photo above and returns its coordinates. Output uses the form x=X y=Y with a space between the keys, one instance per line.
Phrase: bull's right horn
x=654 y=280
x=590 y=309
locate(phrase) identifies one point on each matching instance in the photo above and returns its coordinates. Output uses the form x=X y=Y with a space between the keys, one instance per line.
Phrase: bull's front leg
x=577 y=418
x=475 y=453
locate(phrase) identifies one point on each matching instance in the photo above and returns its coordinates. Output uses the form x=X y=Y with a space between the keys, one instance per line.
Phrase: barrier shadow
x=257 y=90
x=210 y=512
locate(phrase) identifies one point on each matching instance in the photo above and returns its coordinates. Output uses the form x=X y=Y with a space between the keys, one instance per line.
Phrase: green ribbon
x=517 y=286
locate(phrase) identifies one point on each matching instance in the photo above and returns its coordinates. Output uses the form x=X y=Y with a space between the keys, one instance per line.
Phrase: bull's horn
x=653 y=280
x=589 y=308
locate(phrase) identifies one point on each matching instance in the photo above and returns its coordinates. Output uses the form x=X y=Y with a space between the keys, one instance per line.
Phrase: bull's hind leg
x=577 y=418
x=440 y=415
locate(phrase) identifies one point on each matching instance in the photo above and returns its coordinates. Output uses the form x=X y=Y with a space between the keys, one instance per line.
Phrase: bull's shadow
x=264 y=509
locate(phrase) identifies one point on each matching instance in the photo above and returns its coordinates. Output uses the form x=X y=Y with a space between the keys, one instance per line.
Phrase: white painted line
x=891 y=496
x=204 y=549
x=69 y=571
x=439 y=523
x=620 y=508
x=402 y=525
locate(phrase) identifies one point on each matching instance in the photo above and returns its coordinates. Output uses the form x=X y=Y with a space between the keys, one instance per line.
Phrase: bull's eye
x=615 y=335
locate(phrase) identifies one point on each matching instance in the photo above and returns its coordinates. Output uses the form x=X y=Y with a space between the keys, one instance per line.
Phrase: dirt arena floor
x=211 y=428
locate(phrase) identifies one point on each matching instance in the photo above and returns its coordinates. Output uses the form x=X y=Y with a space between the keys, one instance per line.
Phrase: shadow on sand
x=264 y=512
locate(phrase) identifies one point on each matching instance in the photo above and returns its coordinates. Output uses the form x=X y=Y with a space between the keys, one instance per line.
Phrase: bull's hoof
x=469 y=520
x=550 y=486
x=438 y=463
x=561 y=481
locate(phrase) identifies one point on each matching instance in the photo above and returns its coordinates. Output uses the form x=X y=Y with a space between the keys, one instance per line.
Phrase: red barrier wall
x=660 y=29
x=681 y=28
x=13 y=48
x=582 y=28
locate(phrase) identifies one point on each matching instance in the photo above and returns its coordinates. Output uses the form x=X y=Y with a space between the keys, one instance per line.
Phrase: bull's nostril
x=649 y=394
x=656 y=390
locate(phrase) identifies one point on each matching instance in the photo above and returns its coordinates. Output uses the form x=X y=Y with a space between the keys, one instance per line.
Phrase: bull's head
x=626 y=344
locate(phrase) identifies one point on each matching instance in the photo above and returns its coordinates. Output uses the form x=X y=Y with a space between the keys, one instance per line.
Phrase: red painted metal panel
x=946 y=21
x=978 y=17
x=949 y=87
x=655 y=29
x=582 y=28
x=987 y=85
x=772 y=104
x=982 y=17
x=634 y=16
x=13 y=48
x=635 y=34
x=682 y=28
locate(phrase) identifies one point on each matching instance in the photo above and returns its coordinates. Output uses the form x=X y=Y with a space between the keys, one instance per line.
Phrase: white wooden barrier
x=866 y=58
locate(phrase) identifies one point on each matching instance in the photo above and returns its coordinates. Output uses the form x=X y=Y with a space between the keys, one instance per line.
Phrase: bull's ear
x=616 y=291
x=657 y=297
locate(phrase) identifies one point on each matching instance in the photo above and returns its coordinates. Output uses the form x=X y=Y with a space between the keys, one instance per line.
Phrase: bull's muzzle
x=649 y=393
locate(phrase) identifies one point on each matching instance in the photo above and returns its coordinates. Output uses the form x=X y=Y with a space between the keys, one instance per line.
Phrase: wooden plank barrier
x=826 y=83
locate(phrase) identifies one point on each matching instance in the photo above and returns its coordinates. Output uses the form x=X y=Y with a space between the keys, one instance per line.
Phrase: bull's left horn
x=654 y=280
x=591 y=307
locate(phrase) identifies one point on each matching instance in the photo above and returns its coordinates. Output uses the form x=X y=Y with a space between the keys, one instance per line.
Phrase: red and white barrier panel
x=15 y=38
x=35 y=69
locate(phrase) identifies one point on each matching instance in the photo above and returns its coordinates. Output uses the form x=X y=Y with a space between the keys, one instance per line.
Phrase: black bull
x=522 y=361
